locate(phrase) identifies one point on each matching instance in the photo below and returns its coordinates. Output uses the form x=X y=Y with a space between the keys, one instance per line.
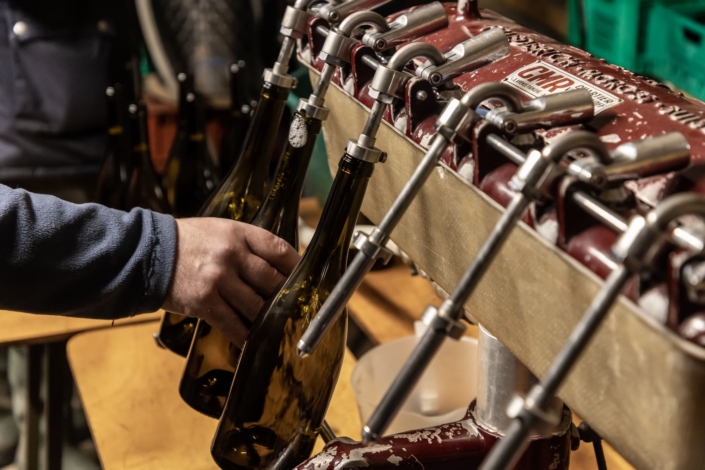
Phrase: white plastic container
x=441 y=396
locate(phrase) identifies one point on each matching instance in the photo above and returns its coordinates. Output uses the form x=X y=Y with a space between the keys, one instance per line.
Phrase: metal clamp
x=295 y=22
x=367 y=154
x=469 y=55
x=559 y=109
x=533 y=173
x=278 y=79
x=418 y=22
x=372 y=250
x=643 y=239
x=337 y=48
x=313 y=111
x=389 y=80
x=439 y=319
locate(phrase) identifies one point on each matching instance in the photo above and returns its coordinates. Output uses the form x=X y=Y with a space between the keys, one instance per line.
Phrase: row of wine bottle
x=128 y=178
x=270 y=413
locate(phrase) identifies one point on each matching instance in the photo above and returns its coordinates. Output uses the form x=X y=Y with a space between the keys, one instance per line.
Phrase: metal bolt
x=510 y=126
x=20 y=28
x=421 y=95
x=380 y=44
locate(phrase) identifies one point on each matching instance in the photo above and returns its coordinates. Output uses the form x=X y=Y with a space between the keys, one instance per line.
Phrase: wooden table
x=42 y=334
x=129 y=390
x=26 y=328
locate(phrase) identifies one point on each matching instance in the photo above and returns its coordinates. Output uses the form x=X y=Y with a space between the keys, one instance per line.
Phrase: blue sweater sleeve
x=82 y=260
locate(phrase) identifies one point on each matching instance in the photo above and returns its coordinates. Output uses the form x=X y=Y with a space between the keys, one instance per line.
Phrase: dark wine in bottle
x=212 y=359
x=239 y=117
x=278 y=400
x=190 y=175
x=239 y=195
x=144 y=189
x=113 y=180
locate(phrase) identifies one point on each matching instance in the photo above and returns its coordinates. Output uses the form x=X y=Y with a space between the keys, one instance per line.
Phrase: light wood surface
x=531 y=299
x=26 y=328
x=129 y=391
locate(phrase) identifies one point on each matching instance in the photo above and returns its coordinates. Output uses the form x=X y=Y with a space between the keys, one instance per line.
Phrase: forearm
x=82 y=260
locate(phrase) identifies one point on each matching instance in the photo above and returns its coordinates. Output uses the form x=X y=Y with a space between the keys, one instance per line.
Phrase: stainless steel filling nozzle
x=418 y=22
x=336 y=11
x=336 y=51
x=634 y=251
x=446 y=320
x=294 y=25
x=453 y=125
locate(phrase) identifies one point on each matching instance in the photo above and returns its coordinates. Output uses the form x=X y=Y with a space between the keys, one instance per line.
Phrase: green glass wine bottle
x=238 y=197
x=144 y=189
x=212 y=359
x=113 y=179
x=190 y=175
x=278 y=400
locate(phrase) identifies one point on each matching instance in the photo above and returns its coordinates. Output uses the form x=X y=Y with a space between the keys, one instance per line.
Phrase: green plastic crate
x=615 y=30
x=676 y=46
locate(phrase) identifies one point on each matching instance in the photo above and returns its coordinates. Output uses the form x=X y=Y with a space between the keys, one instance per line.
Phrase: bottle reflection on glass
x=238 y=197
x=212 y=359
x=190 y=175
x=278 y=400
x=113 y=179
x=144 y=189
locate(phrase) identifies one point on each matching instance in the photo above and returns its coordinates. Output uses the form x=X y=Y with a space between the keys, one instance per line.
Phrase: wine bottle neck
x=332 y=238
x=279 y=211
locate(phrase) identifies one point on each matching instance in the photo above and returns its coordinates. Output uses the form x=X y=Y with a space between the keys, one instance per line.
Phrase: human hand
x=224 y=271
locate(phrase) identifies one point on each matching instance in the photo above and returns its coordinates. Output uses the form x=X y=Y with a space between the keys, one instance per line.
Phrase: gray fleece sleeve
x=82 y=260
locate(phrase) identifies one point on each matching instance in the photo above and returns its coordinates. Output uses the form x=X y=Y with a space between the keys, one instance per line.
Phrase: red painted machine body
x=629 y=107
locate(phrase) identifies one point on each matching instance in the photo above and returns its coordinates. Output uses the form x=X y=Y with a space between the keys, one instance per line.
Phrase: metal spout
x=556 y=110
x=418 y=22
x=467 y=56
x=634 y=160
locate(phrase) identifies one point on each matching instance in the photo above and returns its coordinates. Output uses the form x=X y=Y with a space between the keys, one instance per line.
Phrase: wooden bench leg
x=56 y=375
x=33 y=406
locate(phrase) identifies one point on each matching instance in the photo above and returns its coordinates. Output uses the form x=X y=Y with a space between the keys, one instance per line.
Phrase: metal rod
x=514 y=155
x=434 y=336
x=282 y=65
x=327 y=433
x=374 y=120
x=370 y=61
x=403 y=384
x=601 y=212
x=508 y=450
x=487 y=253
x=592 y=206
x=324 y=81
x=413 y=186
x=362 y=263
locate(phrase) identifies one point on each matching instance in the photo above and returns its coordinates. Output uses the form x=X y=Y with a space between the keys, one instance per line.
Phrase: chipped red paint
x=461 y=445
x=646 y=108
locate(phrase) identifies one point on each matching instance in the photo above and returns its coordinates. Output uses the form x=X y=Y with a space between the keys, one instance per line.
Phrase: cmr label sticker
x=540 y=78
